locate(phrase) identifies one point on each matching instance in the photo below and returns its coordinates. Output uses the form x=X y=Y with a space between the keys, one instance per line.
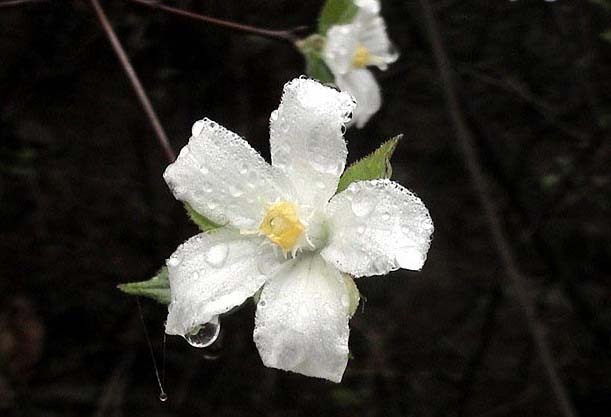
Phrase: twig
x=282 y=35
x=135 y=82
x=479 y=356
x=9 y=3
x=466 y=143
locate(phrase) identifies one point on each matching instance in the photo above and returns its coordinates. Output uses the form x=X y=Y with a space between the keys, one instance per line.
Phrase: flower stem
x=135 y=81
x=281 y=35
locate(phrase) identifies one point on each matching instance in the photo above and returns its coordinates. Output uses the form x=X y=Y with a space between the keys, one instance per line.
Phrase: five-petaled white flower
x=286 y=232
x=353 y=47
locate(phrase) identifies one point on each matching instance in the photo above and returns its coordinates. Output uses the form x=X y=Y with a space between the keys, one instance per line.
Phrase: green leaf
x=317 y=69
x=202 y=222
x=374 y=166
x=157 y=288
x=336 y=12
x=311 y=48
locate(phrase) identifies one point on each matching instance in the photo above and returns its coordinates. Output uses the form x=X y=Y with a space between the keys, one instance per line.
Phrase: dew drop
x=197 y=128
x=211 y=205
x=207 y=187
x=217 y=255
x=173 y=261
x=345 y=300
x=203 y=170
x=265 y=267
x=274 y=116
x=362 y=204
x=360 y=230
x=163 y=397
x=204 y=335
x=235 y=191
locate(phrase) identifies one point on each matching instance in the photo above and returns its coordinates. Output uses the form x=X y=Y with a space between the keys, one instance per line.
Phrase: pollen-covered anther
x=281 y=225
x=362 y=57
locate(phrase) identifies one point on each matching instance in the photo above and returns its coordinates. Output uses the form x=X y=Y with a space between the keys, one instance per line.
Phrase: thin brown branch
x=282 y=35
x=466 y=143
x=135 y=81
x=10 y=3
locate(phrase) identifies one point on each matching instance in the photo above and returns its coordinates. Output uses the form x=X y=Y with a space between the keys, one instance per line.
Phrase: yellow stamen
x=362 y=57
x=281 y=224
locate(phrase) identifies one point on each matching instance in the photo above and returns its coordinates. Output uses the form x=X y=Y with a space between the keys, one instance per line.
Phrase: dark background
x=84 y=207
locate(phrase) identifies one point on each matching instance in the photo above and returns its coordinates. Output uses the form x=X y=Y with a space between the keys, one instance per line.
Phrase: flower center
x=281 y=224
x=362 y=57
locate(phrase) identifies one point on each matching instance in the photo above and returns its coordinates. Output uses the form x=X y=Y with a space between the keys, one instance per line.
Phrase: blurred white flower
x=351 y=48
x=285 y=232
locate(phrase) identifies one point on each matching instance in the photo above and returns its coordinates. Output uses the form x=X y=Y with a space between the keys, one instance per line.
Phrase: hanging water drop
x=204 y=335
x=197 y=128
x=163 y=397
x=217 y=255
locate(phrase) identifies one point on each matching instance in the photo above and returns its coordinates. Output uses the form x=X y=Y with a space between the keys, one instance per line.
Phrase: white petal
x=342 y=41
x=369 y=6
x=376 y=227
x=302 y=317
x=213 y=272
x=372 y=34
x=307 y=140
x=365 y=89
x=222 y=177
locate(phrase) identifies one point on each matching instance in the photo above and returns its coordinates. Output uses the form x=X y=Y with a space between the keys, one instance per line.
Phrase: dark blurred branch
x=9 y=3
x=282 y=35
x=466 y=143
x=475 y=362
x=135 y=81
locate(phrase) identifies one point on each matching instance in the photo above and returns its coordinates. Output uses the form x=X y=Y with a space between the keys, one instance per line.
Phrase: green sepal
x=311 y=48
x=202 y=222
x=157 y=288
x=374 y=166
x=336 y=12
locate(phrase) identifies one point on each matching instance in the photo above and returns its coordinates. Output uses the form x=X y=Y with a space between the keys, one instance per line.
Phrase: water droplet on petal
x=217 y=255
x=174 y=261
x=362 y=204
x=204 y=335
x=203 y=170
x=207 y=187
x=360 y=230
x=197 y=128
x=265 y=267
x=345 y=300
x=235 y=191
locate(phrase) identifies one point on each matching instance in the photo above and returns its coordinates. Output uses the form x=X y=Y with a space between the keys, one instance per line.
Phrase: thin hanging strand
x=467 y=146
x=162 y=394
x=282 y=35
x=135 y=81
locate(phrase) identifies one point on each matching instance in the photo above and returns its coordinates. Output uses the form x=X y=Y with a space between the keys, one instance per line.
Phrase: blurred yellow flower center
x=361 y=57
x=281 y=224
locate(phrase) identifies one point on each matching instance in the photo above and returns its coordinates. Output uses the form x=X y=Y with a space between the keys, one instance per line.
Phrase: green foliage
x=374 y=166
x=336 y=12
x=606 y=36
x=157 y=288
x=202 y=222
x=311 y=48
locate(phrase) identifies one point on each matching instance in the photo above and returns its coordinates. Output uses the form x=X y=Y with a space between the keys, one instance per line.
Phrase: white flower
x=286 y=232
x=353 y=47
